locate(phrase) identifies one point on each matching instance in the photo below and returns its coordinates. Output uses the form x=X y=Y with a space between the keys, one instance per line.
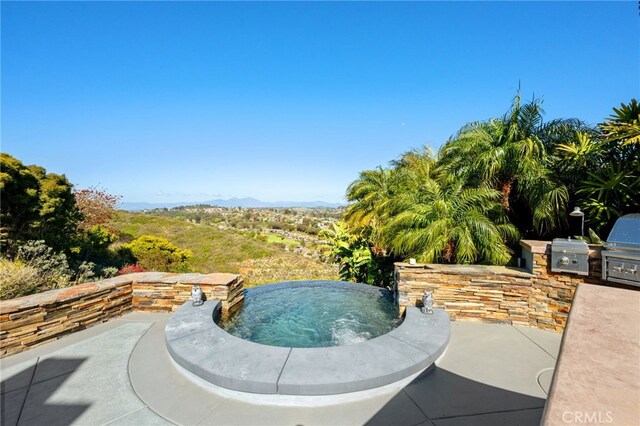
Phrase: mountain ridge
x=247 y=202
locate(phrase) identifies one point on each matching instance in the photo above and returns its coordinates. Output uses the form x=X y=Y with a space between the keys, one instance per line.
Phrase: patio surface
x=119 y=373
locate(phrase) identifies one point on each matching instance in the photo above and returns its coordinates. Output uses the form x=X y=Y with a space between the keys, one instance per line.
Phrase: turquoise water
x=311 y=315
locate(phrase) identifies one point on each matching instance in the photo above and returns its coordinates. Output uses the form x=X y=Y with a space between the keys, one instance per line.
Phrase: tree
x=96 y=207
x=444 y=222
x=36 y=205
x=370 y=194
x=419 y=210
x=510 y=155
x=601 y=168
x=624 y=125
x=19 y=189
x=436 y=218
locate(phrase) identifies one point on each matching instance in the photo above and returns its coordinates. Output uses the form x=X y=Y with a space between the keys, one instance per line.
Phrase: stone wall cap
x=412 y=265
x=80 y=290
x=536 y=246
x=61 y=294
x=180 y=278
x=154 y=277
x=190 y=278
x=473 y=270
x=218 y=278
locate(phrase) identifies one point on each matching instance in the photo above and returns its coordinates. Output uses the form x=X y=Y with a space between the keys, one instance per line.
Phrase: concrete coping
x=199 y=345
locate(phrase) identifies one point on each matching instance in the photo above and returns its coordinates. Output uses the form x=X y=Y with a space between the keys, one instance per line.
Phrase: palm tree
x=509 y=155
x=442 y=221
x=414 y=209
x=602 y=167
x=370 y=194
x=624 y=125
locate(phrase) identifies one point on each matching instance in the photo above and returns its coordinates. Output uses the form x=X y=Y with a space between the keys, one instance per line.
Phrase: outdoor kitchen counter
x=597 y=377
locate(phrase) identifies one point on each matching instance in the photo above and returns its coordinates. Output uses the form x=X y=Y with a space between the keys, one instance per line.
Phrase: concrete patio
x=119 y=373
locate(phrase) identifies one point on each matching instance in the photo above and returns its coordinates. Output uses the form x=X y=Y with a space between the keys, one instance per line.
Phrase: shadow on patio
x=440 y=397
x=25 y=394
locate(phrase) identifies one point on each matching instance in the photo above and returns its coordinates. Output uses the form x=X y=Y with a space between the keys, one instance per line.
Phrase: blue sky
x=288 y=101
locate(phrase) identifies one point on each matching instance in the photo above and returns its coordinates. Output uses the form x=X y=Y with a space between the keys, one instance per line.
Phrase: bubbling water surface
x=313 y=316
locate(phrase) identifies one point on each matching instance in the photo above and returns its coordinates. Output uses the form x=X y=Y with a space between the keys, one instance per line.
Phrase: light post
x=577 y=213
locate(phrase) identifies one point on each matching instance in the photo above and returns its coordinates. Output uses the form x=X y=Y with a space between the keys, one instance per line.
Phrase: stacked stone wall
x=32 y=320
x=168 y=292
x=539 y=298
x=29 y=321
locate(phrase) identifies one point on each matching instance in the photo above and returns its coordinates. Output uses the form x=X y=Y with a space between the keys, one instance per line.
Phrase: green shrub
x=158 y=254
x=36 y=268
x=48 y=263
x=109 y=271
x=17 y=279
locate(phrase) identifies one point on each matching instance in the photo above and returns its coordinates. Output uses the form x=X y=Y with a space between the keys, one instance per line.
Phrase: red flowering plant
x=130 y=269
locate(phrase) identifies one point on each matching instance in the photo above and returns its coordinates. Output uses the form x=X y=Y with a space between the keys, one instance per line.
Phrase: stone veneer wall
x=32 y=320
x=535 y=297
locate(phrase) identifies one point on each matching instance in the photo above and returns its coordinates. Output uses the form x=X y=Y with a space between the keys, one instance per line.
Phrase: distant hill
x=231 y=202
x=216 y=250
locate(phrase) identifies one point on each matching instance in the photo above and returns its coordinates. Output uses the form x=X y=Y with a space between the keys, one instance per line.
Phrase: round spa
x=306 y=338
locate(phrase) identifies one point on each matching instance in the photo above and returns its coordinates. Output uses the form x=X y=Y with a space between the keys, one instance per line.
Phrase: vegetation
x=224 y=250
x=96 y=207
x=415 y=209
x=490 y=184
x=158 y=254
x=36 y=205
x=53 y=236
x=623 y=126
x=354 y=257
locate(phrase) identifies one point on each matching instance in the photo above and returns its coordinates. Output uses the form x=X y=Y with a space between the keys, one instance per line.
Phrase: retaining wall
x=32 y=320
x=534 y=296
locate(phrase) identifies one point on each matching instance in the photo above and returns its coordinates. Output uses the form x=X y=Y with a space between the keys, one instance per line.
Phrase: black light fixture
x=578 y=213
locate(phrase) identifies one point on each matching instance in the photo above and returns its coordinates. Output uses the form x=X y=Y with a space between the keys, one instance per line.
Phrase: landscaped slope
x=216 y=250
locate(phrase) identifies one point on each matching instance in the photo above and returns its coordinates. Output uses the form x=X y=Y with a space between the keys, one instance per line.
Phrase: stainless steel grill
x=570 y=256
x=621 y=257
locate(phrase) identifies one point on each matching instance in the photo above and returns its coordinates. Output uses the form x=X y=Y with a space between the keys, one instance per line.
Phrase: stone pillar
x=169 y=291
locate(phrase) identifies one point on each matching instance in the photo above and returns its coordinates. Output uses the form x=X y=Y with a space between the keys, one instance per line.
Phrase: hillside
x=232 y=202
x=216 y=250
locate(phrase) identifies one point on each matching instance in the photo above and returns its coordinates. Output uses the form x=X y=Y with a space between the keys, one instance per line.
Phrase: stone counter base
x=536 y=297
x=32 y=320
x=483 y=294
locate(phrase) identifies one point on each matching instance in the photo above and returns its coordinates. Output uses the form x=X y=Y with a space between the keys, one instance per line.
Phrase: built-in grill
x=570 y=255
x=621 y=257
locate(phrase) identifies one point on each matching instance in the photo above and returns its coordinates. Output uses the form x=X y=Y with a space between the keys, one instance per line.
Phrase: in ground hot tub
x=313 y=314
x=356 y=342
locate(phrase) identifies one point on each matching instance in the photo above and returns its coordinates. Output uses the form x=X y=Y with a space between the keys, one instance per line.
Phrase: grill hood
x=625 y=234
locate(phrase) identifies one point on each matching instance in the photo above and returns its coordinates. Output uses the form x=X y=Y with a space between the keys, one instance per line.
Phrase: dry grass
x=19 y=279
x=216 y=250
x=285 y=267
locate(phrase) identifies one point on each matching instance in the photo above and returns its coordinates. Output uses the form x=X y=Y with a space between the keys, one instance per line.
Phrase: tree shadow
x=446 y=398
x=24 y=400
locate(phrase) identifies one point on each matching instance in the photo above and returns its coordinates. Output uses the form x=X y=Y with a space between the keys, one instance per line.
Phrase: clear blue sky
x=288 y=101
